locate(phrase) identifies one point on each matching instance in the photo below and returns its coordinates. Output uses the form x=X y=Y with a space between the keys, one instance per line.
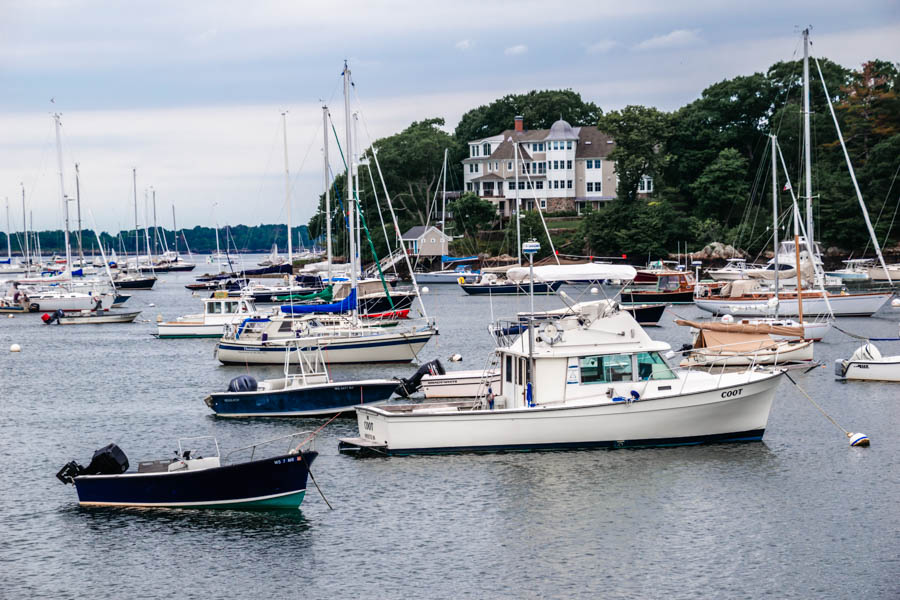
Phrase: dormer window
x=486 y=148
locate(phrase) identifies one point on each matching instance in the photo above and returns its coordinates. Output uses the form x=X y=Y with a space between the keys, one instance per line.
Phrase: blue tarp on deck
x=453 y=259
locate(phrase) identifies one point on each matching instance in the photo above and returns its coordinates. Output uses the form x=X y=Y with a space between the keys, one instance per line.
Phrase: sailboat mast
x=351 y=220
x=518 y=203
x=807 y=152
x=25 y=232
x=78 y=208
x=444 y=194
x=356 y=181
x=327 y=184
x=775 y=213
x=287 y=191
x=175 y=231
x=8 y=243
x=137 y=235
x=155 y=227
x=62 y=192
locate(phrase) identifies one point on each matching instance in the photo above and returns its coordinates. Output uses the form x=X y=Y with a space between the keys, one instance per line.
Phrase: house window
x=539 y=185
x=486 y=149
x=543 y=167
x=509 y=166
x=597 y=188
x=432 y=240
x=569 y=145
x=496 y=165
x=590 y=165
x=568 y=164
x=510 y=184
x=555 y=164
x=543 y=203
x=476 y=167
x=542 y=146
x=555 y=184
x=569 y=184
x=646 y=185
x=472 y=150
x=597 y=164
x=521 y=185
x=590 y=186
x=606 y=369
x=469 y=187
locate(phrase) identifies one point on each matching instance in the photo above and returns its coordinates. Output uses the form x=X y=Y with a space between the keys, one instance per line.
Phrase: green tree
x=472 y=214
x=721 y=189
x=640 y=133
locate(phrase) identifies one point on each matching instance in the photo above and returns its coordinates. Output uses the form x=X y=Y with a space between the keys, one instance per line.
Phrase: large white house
x=561 y=168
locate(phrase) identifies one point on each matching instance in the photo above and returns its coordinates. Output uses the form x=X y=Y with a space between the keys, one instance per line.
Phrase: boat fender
x=635 y=396
x=460 y=280
x=619 y=399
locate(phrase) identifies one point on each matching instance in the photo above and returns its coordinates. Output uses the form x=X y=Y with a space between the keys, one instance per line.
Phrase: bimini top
x=587 y=328
x=585 y=272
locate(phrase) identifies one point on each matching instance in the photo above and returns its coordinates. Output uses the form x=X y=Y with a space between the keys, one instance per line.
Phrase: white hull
x=98 y=319
x=459 y=384
x=337 y=350
x=175 y=329
x=886 y=369
x=70 y=302
x=726 y=275
x=861 y=305
x=728 y=413
x=786 y=352
x=444 y=277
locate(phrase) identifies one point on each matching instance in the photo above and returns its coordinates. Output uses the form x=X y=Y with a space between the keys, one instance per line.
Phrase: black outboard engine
x=410 y=386
x=243 y=383
x=109 y=460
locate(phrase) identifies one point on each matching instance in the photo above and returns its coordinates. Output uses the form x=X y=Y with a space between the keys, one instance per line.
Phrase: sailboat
x=743 y=299
x=298 y=333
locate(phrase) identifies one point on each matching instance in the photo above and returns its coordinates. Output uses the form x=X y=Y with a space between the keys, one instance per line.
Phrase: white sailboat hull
x=786 y=352
x=336 y=350
x=857 y=305
x=187 y=329
x=70 y=301
x=733 y=413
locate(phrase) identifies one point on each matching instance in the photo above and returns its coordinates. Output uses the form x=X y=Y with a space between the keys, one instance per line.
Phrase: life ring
x=461 y=280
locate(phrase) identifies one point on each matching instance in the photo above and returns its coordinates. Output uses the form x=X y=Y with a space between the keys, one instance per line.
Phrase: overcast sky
x=191 y=93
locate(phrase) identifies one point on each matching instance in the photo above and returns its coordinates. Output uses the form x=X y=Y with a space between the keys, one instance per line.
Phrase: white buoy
x=151 y=304
x=727 y=319
x=895 y=302
x=858 y=440
x=425 y=290
x=594 y=291
x=456 y=358
x=15 y=348
x=159 y=319
x=10 y=316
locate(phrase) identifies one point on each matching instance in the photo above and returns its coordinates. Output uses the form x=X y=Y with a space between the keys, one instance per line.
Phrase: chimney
x=520 y=123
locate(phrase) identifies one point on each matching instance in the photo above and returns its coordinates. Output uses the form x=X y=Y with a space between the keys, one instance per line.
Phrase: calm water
x=800 y=515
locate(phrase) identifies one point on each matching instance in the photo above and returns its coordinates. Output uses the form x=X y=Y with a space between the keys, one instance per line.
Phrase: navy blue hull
x=303 y=402
x=510 y=289
x=260 y=483
x=756 y=435
x=646 y=297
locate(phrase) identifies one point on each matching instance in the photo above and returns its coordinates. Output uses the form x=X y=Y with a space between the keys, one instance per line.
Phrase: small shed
x=426 y=241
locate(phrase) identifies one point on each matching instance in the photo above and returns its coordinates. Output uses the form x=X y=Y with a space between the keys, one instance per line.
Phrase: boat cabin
x=221 y=304
x=598 y=352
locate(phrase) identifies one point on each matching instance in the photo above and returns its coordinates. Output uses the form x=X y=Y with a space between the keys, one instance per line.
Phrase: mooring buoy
x=15 y=348
x=858 y=439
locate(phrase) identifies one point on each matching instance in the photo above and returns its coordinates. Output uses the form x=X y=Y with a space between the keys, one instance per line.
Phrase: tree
x=721 y=189
x=472 y=214
x=870 y=110
x=640 y=134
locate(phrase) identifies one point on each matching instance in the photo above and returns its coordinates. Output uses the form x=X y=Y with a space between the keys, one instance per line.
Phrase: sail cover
x=345 y=305
x=585 y=272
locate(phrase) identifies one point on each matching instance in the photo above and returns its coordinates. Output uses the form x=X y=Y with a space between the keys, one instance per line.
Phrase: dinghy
x=867 y=364
x=189 y=480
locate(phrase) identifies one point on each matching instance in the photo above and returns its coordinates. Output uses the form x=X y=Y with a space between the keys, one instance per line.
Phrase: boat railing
x=307 y=441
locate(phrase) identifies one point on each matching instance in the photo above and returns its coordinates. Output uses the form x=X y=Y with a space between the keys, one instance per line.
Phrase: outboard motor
x=410 y=386
x=109 y=460
x=243 y=383
x=49 y=319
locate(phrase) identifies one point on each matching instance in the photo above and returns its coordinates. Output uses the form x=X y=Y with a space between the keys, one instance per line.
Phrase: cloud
x=464 y=44
x=516 y=50
x=601 y=46
x=674 y=39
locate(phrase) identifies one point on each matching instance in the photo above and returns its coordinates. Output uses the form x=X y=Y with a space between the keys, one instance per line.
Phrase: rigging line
x=896 y=206
x=883 y=204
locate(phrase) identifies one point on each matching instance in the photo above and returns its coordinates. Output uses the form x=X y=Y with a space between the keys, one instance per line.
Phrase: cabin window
x=670 y=283
x=651 y=365
x=509 y=369
x=231 y=307
x=520 y=372
x=285 y=326
x=606 y=369
x=214 y=308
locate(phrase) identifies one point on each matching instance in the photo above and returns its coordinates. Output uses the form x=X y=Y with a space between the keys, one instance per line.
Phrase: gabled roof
x=505 y=151
x=418 y=231
x=593 y=143
x=488 y=177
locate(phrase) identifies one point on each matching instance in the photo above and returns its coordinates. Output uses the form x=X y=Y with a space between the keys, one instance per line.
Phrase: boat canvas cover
x=739 y=288
x=744 y=328
x=724 y=341
x=345 y=305
x=585 y=272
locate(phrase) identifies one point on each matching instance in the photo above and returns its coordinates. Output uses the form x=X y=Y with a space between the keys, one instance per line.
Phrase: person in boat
x=98 y=306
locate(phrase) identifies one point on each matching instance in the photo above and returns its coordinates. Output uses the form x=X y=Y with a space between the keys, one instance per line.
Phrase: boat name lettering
x=369 y=425
x=862 y=366
x=732 y=393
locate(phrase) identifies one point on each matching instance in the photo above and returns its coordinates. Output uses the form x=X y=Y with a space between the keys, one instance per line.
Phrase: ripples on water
x=800 y=515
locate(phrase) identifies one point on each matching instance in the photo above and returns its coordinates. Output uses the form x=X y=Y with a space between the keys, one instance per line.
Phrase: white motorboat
x=218 y=311
x=592 y=378
x=447 y=276
x=867 y=364
x=878 y=273
x=735 y=268
x=90 y=317
x=460 y=384
x=738 y=344
x=855 y=269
